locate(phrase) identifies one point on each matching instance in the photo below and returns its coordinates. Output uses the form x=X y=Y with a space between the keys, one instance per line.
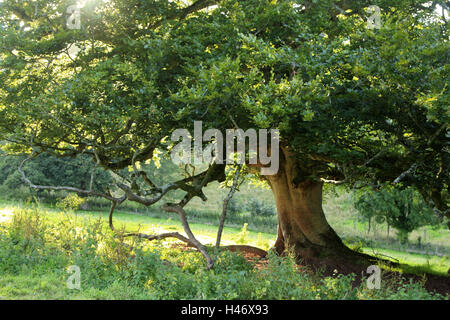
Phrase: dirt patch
x=181 y=246
x=434 y=283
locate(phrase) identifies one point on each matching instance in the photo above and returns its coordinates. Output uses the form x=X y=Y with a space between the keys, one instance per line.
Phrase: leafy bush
x=242 y=236
x=28 y=226
x=71 y=202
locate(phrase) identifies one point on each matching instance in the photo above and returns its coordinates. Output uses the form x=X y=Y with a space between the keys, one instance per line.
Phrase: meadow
x=38 y=243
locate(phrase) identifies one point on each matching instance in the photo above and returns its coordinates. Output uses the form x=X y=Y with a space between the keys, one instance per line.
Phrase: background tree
x=402 y=209
x=353 y=104
x=46 y=169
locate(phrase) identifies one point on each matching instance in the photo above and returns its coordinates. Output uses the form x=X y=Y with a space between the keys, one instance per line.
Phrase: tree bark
x=440 y=204
x=302 y=225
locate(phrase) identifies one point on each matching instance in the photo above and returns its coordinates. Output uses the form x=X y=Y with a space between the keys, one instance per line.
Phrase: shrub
x=71 y=202
x=242 y=236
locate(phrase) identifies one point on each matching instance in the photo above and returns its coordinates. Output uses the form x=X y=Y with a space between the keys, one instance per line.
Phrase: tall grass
x=36 y=250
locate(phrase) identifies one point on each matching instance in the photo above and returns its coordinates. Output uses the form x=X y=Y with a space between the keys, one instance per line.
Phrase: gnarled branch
x=200 y=247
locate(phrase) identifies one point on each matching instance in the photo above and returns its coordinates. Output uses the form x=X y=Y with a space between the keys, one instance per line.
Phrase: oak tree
x=356 y=103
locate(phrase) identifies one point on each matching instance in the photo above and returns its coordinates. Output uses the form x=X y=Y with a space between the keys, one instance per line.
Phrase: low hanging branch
x=191 y=241
x=198 y=182
x=147 y=236
x=192 y=185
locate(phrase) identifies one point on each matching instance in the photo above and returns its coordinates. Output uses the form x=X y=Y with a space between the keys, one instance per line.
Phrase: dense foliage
x=49 y=170
x=353 y=103
x=403 y=210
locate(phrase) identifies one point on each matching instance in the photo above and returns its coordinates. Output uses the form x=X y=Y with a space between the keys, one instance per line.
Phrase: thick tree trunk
x=436 y=196
x=302 y=226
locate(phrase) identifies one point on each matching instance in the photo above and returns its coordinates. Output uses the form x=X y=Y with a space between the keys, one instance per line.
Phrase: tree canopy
x=354 y=104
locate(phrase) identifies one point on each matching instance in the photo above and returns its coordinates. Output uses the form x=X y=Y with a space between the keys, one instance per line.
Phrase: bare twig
x=225 y=204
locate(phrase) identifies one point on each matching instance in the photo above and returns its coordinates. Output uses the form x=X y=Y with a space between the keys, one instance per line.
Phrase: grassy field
x=338 y=208
x=206 y=233
x=38 y=245
x=37 y=269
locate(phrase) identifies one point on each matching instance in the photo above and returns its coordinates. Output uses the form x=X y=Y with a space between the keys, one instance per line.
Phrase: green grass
x=37 y=246
x=413 y=262
x=149 y=224
x=206 y=233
